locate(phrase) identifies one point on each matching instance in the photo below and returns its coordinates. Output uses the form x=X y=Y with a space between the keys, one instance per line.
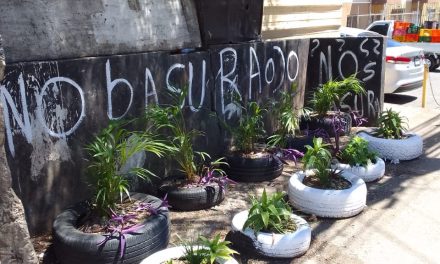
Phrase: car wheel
x=432 y=63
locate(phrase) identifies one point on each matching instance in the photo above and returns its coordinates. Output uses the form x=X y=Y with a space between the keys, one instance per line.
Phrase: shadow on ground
x=383 y=194
x=400 y=99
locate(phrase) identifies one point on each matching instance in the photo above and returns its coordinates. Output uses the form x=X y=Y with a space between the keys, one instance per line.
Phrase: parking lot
x=413 y=97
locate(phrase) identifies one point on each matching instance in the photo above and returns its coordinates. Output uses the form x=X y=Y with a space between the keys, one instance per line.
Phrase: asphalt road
x=413 y=97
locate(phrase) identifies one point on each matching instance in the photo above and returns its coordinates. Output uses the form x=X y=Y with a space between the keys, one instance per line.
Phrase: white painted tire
x=174 y=253
x=328 y=203
x=395 y=149
x=368 y=173
x=286 y=245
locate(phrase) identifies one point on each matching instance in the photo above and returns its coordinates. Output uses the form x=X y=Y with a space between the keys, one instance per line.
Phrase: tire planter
x=328 y=203
x=287 y=245
x=315 y=122
x=367 y=173
x=174 y=253
x=299 y=142
x=259 y=169
x=74 y=246
x=192 y=198
x=395 y=149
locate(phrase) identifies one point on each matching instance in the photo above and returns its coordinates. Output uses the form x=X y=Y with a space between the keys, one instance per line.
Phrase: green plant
x=356 y=153
x=170 y=120
x=108 y=152
x=332 y=92
x=270 y=214
x=207 y=251
x=318 y=158
x=284 y=111
x=391 y=125
x=249 y=129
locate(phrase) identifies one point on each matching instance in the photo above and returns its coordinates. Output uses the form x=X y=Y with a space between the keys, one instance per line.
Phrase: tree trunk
x=15 y=244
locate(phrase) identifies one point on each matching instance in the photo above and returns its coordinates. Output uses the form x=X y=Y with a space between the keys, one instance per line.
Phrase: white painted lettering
x=253 y=56
x=202 y=96
x=23 y=123
x=54 y=83
x=149 y=80
x=110 y=86
x=292 y=54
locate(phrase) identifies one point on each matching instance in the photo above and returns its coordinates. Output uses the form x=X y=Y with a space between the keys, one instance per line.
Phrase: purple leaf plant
x=292 y=154
x=213 y=176
x=119 y=224
x=357 y=119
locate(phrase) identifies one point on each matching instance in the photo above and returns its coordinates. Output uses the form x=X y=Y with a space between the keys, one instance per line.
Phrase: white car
x=404 y=64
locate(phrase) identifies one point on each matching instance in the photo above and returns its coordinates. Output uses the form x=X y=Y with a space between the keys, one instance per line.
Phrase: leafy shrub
x=332 y=92
x=391 y=125
x=356 y=153
x=270 y=214
x=206 y=251
x=109 y=151
x=318 y=158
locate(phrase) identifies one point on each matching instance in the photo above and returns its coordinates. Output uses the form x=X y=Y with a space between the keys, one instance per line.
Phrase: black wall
x=331 y=58
x=52 y=109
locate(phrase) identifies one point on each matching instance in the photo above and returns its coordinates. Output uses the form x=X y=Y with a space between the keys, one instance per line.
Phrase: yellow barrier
x=425 y=79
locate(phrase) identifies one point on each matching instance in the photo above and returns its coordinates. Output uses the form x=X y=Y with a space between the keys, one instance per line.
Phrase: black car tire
x=193 y=198
x=74 y=246
x=243 y=169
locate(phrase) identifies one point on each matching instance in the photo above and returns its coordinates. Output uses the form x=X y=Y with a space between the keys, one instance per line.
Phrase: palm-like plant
x=171 y=121
x=111 y=150
x=250 y=128
x=319 y=159
x=332 y=92
x=288 y=116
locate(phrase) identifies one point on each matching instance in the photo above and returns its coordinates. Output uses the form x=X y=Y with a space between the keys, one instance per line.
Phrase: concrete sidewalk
x=402 y=221
x=400 y=225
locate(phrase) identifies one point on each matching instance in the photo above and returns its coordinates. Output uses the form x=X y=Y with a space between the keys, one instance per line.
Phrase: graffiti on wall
x=49 y=101
x=52 y=109
x=340 y=58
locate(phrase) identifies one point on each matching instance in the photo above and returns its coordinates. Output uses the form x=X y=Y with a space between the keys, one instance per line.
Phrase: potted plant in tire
x=329 y=96
x=200 y=183
x=274 y=230
x=116 y=226
x=391 y=141
x=204 y=251
x=359 y=160
x=325 y=192
x=248 y=160
x=287 y=134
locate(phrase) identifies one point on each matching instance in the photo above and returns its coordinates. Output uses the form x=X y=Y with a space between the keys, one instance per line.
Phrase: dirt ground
x=187 y=226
